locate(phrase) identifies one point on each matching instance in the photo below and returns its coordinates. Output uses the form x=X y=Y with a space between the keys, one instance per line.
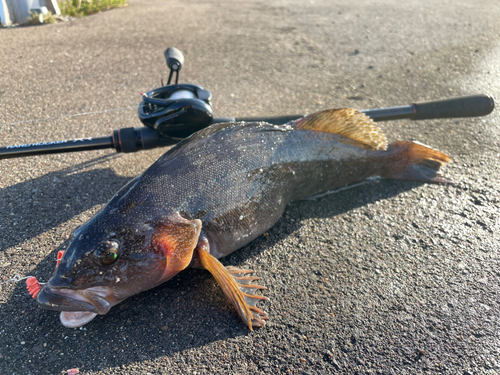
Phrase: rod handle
x=467 y=106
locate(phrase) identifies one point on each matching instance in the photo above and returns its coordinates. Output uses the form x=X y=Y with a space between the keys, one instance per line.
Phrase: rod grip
x=467 y=106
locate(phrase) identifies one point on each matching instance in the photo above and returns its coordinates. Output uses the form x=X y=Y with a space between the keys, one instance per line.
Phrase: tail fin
x=415 y=161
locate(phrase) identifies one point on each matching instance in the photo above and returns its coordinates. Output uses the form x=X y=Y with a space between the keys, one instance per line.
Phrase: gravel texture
x=391 y=277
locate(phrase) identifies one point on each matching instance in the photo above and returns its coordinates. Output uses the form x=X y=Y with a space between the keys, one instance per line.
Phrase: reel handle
x=175 y=59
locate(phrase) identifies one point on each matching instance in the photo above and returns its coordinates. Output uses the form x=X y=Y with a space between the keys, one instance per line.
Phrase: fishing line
x=32 y=284
x=369 y=180
x=18 y=278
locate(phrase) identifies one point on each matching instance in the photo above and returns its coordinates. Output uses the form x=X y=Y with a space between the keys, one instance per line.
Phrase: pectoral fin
x=238 y=288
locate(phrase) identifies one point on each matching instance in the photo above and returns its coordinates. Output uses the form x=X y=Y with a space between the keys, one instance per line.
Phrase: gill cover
x=177 y=238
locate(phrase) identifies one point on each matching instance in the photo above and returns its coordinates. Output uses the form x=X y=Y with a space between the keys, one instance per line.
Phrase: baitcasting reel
x=176 y=111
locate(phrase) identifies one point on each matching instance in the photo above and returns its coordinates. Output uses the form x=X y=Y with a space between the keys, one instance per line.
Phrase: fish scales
x=213 y=193
x=239 y=179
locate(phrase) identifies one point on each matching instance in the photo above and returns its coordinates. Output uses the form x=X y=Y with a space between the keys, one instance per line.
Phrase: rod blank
x=135 y=139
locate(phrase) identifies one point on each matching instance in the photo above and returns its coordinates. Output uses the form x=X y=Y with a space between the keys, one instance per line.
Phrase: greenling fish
x=213 y=193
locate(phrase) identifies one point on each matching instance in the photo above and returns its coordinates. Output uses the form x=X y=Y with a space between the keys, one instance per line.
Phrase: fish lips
x=60 y=299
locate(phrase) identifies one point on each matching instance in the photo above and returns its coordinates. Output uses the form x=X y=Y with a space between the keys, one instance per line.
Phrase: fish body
x=213 y=193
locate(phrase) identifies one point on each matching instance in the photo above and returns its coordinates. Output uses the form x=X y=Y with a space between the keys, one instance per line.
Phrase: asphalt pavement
x=391 y=277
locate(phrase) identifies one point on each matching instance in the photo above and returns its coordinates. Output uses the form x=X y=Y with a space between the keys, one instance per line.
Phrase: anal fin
x=238 y=287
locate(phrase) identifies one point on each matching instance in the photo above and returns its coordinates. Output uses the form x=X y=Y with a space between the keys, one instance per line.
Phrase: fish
x=213 y=193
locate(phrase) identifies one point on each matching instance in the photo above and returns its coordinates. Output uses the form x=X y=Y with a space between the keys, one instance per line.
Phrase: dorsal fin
x=348 y=123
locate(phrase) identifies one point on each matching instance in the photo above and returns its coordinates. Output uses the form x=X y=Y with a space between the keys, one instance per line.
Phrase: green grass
x=82 y=8
x=35 y=19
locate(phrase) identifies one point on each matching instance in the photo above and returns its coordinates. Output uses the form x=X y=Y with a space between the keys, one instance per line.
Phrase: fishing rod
x=173 y=112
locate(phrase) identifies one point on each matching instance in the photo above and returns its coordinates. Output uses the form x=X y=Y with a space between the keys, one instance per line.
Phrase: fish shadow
x=35 y=206
x=186 y=312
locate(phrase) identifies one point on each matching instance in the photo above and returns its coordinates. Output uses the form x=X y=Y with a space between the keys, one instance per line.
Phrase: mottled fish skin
x=211 y=194
x=238 y=178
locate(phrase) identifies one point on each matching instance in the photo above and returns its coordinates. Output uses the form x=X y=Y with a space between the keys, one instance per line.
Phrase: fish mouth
x=75 y=319
x=78 y=307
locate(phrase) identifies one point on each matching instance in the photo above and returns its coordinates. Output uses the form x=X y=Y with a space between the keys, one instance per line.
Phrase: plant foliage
x=82 y=8
x=38 y=18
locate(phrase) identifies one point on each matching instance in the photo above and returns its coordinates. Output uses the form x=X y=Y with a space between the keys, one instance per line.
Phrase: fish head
x=102 y=267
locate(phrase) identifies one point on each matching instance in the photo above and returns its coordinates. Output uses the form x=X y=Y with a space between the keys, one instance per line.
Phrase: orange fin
x=238 y=288
x=348 y=123
x=416 y=162
x=248 y=289
x=177 y=239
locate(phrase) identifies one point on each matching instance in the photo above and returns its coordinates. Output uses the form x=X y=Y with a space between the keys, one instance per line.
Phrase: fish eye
x=107 y=252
